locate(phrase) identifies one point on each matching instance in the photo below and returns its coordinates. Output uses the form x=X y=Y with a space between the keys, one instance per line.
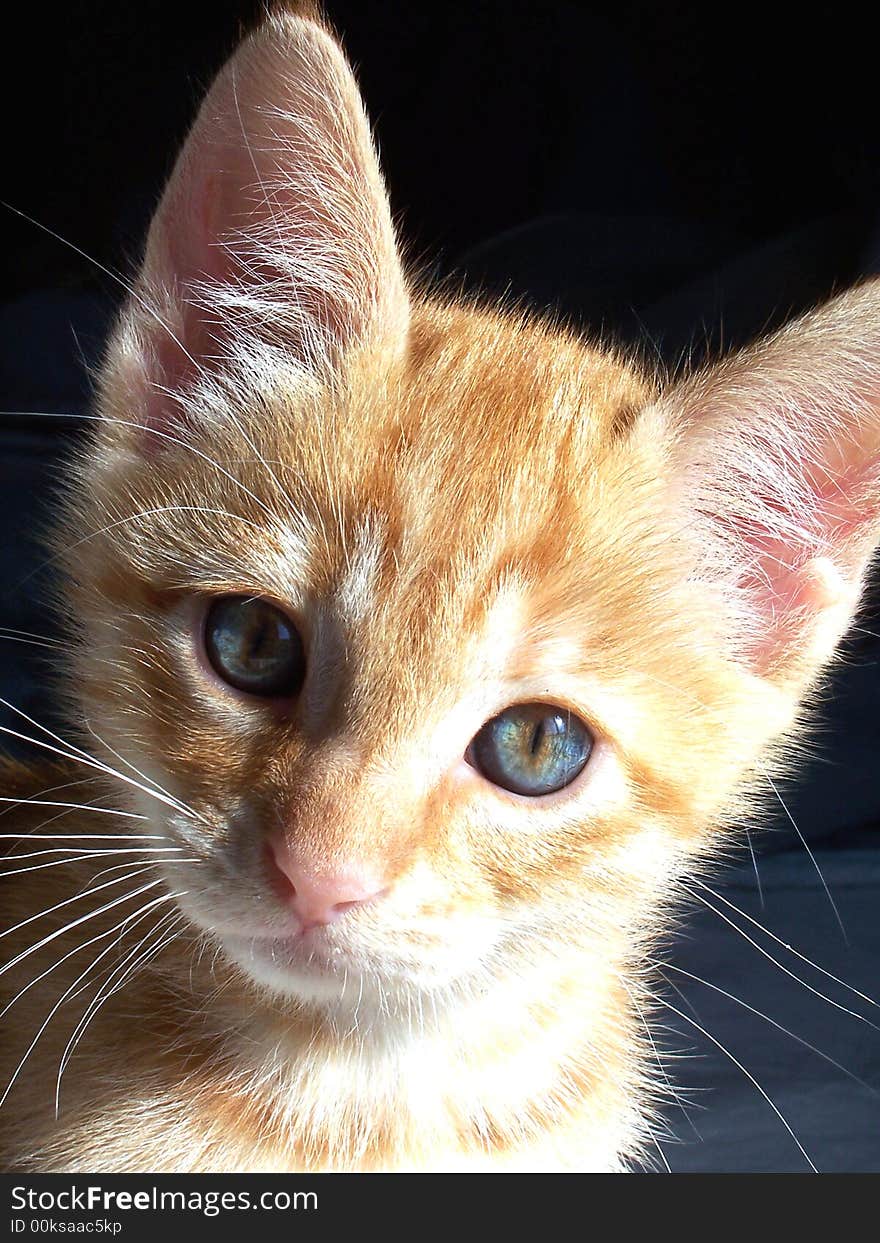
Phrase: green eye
x=531 y=749
x=255 y=647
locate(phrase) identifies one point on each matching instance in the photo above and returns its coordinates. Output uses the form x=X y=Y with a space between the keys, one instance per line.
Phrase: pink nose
x=318 y=897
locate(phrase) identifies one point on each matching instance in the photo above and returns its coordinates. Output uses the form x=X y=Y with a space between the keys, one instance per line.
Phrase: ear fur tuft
x=776 y=462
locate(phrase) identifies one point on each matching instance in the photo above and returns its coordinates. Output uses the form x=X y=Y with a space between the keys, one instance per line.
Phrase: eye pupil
x=254 y=646
x=531 y=749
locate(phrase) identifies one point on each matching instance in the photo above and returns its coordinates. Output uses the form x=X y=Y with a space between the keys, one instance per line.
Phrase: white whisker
x=101 y=811
x=64 y=997
x=96 y=764
x=748 y=1074
x=30 y=634
x=38 y=867
x=90 y=852
x=90 y=837
x=77 y=949
x=150 y=513
x=810 y=855
x=716 y=988
x=64 y=785
x=162 y=435
x=785 y=945
x=90 y=886
x=76 y=922
x=755 y=867
x=128 y=764
x=102 y=996
x=791 y=974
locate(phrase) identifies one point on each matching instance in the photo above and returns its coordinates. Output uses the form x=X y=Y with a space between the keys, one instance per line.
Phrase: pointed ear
x=776 y=463
x=275 y=227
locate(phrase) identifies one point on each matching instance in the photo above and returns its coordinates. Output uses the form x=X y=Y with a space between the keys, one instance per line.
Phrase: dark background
x=671 y=181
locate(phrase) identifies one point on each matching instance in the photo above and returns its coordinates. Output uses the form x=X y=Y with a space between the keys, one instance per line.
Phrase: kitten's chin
x=306 y=966
x=312 y=969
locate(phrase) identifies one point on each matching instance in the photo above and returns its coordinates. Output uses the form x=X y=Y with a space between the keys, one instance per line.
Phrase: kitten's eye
x=531 y=749
x=254 y=646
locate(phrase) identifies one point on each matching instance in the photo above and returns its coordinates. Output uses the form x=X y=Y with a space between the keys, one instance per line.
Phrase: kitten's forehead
x=459 y=460
x=481 y=442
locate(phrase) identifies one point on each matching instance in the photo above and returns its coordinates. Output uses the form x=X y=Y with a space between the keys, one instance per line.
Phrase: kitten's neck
x=514 y=1076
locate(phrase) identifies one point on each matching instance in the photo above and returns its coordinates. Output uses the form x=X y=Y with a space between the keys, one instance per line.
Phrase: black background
x=489 y=115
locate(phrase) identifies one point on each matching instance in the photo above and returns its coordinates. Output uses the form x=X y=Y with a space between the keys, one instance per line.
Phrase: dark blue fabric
x=730 y=1126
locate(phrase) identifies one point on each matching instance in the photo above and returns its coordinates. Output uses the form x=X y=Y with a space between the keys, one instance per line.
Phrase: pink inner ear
x=182 y=255
x=187 y=252
x=172 y=372
x=800 y=532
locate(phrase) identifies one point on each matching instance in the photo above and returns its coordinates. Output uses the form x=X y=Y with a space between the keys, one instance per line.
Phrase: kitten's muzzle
x=317 y=896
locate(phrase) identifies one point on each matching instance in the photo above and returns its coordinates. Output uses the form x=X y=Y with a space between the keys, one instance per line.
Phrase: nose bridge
x=358 y=790
x=399 y=654
x=339 y=817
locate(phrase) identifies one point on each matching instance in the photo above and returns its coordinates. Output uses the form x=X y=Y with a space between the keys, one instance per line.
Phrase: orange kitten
x=422 y=650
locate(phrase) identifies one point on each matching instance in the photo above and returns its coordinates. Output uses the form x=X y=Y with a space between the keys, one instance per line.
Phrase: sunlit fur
x=463 y=509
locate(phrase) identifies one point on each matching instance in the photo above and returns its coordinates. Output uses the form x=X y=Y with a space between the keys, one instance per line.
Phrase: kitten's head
x=449 y=638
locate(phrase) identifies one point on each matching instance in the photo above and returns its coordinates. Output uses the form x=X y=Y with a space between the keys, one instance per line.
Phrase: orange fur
x=463 y=509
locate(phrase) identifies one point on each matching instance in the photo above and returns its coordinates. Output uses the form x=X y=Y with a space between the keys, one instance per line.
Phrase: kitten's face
x=450 y=517
x=477 y=528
